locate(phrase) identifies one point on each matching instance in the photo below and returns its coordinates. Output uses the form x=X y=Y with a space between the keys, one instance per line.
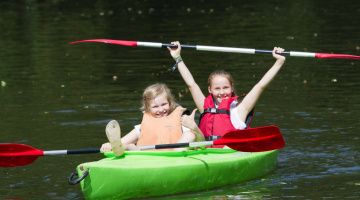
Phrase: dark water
x=60 y=96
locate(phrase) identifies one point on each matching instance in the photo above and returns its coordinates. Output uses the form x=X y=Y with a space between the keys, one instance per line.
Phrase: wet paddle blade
x=14 y=155
x=109 y=41
x=336 y=56
x=257 y=139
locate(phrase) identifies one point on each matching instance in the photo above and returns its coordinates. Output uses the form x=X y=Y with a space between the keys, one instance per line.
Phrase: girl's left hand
x=105 y=147
x=277 y=53
x=189 y=120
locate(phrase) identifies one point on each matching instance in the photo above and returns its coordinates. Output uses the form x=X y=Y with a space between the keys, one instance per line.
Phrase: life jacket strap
x=249 y=118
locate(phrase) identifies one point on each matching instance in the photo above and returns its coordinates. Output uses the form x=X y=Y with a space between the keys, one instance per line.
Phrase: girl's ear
x=209 y=90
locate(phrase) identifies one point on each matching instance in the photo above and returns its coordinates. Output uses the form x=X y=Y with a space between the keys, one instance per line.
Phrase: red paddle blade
x=117 y=42
x=258 y=139
x=341 y=56
x=13 y=155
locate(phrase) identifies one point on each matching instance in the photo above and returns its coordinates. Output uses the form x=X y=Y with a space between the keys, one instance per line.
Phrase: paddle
x=220 y=49
x=257 y=139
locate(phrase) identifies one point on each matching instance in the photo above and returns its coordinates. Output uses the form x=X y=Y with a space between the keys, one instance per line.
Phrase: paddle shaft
x=71 y=152
x=249 y=51
x=148 y=147
x=220 y=49
x=177 y=145
x=209 y=48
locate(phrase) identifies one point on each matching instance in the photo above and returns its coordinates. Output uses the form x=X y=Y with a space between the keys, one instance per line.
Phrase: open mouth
x=162 y=114
x=219 y=99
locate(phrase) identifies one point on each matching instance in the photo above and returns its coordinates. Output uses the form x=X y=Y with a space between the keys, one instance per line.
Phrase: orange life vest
x=164 y=130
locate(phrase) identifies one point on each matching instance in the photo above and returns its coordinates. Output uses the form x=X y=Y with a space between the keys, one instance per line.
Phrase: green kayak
x=139 y=174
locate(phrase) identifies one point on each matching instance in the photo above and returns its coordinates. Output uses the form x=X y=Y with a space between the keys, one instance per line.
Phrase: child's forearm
x=252 y=97
x=194 y=88
x=186 y=74
x=269 y=76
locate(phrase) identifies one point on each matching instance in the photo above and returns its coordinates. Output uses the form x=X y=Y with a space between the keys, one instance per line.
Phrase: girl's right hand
x=175 y=53
x=189 y=120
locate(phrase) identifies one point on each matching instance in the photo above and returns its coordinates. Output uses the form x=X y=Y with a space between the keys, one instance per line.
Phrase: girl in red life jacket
x=162 y=123
x=222 y=112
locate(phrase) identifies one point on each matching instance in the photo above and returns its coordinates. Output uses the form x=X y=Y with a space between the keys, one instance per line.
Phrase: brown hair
x=155 y=90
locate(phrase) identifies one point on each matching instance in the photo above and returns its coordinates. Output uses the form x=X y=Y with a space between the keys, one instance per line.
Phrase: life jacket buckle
x=212 y=137
x=213 y=110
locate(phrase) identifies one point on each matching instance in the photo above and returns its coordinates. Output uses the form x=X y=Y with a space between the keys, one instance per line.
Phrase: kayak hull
x=148 y=174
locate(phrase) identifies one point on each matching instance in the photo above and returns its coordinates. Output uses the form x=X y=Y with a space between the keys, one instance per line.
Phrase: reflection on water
x=59 y=96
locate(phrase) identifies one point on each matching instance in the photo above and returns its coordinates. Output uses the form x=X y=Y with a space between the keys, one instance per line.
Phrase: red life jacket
x=216 y=121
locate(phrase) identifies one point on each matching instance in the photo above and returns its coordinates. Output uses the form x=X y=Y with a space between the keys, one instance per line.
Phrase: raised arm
x=252 y=97
x=195 y=90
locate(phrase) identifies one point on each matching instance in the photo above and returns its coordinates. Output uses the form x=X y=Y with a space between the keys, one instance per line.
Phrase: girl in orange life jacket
x=223 y=112
x=162 y=123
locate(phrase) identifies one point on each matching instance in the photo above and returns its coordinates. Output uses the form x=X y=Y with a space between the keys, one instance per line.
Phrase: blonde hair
x=155 y=90
x=223 y=73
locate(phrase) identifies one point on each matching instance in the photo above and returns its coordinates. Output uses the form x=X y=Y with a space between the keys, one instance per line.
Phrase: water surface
x=60 y=96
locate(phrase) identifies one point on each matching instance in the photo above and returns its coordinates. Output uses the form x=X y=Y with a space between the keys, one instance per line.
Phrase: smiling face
x=220 y=88
x=159 y=106
x=158 y=100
